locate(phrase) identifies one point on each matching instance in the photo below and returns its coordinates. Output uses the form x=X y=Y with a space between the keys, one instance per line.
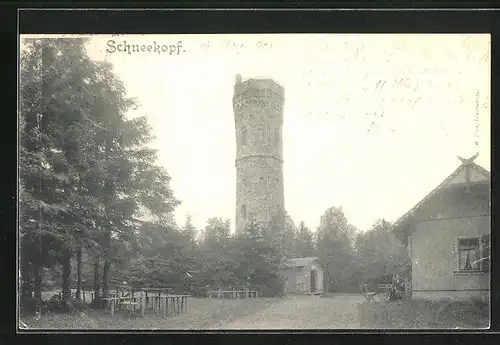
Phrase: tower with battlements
x=258 y=114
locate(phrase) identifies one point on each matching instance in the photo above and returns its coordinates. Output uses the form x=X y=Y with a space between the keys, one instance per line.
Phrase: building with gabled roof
x=448 y=236
x=303 y=276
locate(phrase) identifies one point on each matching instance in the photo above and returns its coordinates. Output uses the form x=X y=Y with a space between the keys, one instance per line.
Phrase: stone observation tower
x=258 y=114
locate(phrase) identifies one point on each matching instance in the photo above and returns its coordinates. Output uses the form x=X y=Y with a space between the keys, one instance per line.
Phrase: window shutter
x=485 y=253
x=456 y=253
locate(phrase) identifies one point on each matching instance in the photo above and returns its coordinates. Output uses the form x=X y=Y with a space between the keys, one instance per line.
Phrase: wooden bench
x=366 y=293
x=382 y=294
x=130 y=304
x=385 y=287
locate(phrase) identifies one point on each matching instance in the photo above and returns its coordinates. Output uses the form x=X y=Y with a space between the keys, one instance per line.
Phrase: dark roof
x=299 y=262
x=446 y=184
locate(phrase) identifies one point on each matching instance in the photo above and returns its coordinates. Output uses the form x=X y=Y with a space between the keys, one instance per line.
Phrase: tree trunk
x=79 y=272
x=105 y=278
x=26 y=284
x=66 y=275
x=37 y=271
x=109 y=191
x=26 y=278
x=97 y=289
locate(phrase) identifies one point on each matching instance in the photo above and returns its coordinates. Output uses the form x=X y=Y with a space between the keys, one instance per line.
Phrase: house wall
x=435 y=258
x=293 y=277
x=298 y=280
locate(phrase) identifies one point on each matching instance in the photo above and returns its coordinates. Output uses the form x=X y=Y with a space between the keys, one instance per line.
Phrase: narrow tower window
x=279 y=211
x=244 y=136
x=266 y=130
x=244 y=211
x=262 y=181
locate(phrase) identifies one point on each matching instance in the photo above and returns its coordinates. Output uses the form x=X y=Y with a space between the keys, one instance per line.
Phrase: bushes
x=56 y=305
x=274 y=287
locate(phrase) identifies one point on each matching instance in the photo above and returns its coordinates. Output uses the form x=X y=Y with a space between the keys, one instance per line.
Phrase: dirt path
x=303 y=312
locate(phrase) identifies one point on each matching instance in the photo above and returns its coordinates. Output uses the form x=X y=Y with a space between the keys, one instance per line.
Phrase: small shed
x=448 y=236
x=303 y=276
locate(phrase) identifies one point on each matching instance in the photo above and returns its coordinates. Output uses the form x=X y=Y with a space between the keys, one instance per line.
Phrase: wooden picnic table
x=111 y=302
x=154 y=291
x=144 y=299
x=160 y=303
x=233 y=294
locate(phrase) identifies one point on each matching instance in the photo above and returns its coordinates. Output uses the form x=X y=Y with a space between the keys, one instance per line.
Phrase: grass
x=202 y=314
x=452 y=314
x=424 y=314
x=333 y=311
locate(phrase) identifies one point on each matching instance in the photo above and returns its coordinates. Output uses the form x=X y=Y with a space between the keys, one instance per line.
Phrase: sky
x=372 y=123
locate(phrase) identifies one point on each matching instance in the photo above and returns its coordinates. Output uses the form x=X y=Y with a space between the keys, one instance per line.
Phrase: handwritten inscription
x=236 y=46
x=233 y=45
x=397 y=83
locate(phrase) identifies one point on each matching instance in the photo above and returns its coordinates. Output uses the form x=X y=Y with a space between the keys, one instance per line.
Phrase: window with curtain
x=474 y=254
x=468 y=254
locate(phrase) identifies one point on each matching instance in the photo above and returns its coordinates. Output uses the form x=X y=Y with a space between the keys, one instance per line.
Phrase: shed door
x=314 y=279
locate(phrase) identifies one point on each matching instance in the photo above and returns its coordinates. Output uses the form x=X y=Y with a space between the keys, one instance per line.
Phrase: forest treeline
x=89 y=179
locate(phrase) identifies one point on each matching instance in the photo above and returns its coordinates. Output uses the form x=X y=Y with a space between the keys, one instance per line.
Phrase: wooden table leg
x=161 y=305
x=143 y=305
x=165 y=303
x=112 y=308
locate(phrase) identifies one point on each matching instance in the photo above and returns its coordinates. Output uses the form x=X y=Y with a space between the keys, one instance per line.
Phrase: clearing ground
x=299 y=312
x=304 y=312
x=338 y=311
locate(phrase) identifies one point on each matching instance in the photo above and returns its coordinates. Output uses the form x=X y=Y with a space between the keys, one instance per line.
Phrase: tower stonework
x=258 y=113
